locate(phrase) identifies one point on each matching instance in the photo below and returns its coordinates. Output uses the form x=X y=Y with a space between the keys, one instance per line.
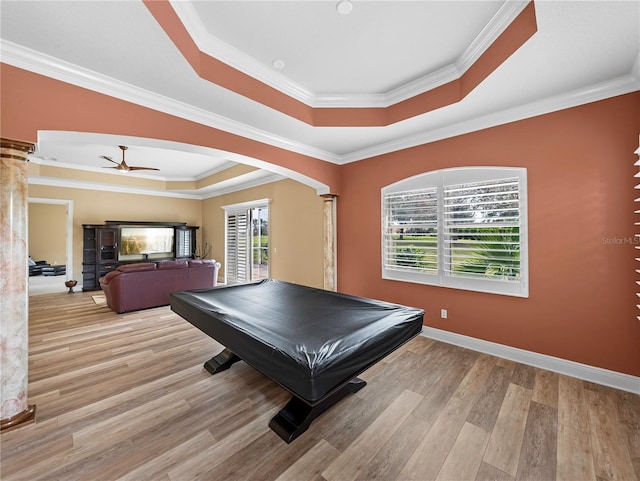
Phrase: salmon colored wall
x=580 y=165
x=32 y=102
x=95 y=207
x=48 y=232
x=581 y=202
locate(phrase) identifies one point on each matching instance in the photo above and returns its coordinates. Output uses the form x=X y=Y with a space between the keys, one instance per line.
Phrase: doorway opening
x=247 y=242
x=50 y=239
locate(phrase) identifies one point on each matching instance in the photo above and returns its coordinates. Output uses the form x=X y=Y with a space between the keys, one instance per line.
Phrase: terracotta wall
x=581 y=201
x=580 y=165
x=32 y=102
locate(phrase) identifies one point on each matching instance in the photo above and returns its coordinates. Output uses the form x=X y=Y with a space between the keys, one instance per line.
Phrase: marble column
x=329 y=260
x=14 y=302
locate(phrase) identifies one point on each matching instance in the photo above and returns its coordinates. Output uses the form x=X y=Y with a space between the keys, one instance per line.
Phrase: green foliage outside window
x=260 y=249
x=495 y=254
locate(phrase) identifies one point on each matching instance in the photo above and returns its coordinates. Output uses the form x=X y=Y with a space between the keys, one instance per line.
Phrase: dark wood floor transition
x=125 y=397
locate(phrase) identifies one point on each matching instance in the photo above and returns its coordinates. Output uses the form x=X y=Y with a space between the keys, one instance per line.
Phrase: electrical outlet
x=443 y=313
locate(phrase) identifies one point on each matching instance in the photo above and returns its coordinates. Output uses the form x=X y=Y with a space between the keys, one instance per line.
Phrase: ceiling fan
x=122 y=166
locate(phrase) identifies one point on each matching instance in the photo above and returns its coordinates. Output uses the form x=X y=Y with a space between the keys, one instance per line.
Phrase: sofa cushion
x=201 y=262
x=140 y=286
x=142 y=266
x=110 y=275
x=179 y=264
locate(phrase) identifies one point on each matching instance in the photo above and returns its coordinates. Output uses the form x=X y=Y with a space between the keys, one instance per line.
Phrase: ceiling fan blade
x=142 y=168
x=109 y=159
x=122 y=166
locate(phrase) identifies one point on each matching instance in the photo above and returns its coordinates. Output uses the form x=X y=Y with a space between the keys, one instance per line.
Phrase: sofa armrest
x=207 y=263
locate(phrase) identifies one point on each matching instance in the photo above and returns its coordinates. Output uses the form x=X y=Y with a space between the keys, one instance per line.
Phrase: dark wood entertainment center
x=103 y=244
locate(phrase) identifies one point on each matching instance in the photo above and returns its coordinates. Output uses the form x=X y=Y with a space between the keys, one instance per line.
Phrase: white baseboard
x=617 y=380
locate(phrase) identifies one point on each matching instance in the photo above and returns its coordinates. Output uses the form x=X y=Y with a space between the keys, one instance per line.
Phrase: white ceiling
x=378 y=47
x=583 y=51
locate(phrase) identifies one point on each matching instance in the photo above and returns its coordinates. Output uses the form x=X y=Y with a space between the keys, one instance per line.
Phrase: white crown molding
x=489 y=34
x=415 y=87
x=244 y=206
x=66 y=165
x=504 y=17
x=617 y=380
x=635 y=69
x=237 y=59
x=37 y=62
x=233 y=57
x=263 y=167
x=33 y=61
x=246 y=181
x=105 y=187
x=593 y=93
x=252 y=179
x=220 y=168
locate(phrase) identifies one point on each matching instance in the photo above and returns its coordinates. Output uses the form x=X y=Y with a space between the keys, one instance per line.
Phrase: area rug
x=100 y=300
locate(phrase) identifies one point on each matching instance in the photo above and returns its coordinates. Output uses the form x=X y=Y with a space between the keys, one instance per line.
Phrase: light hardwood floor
x=125 y=397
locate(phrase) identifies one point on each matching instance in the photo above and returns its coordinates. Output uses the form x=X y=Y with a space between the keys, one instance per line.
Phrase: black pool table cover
x=310 y=341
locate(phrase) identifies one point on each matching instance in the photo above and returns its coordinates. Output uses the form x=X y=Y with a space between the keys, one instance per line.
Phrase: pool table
x=311 y=342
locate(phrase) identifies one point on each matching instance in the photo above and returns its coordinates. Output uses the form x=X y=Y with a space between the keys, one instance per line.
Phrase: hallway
x=48 y=285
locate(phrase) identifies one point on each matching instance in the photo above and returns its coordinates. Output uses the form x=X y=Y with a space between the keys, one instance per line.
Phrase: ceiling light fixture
x=278 y=64
x=344 y=7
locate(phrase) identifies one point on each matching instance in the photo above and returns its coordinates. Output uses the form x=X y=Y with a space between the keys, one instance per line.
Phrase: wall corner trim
x=616 y=380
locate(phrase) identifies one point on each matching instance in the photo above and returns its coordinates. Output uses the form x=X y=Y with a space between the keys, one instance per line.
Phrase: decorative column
x=14 y=303
x=329 y=223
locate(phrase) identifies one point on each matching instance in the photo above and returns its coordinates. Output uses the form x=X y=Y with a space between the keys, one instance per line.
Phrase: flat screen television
x=146 y=242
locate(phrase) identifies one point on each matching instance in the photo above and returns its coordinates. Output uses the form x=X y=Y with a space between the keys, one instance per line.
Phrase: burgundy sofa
x=140 y=286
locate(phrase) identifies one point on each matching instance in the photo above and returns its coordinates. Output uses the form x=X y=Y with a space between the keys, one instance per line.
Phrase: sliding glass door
x=247 y=242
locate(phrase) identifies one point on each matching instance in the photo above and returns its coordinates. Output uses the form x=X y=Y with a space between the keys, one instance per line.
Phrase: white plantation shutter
x=237 y=268
x=637 y=236
x=184 y=243
x=464 y=228
x=411 y=229
x=482 y=229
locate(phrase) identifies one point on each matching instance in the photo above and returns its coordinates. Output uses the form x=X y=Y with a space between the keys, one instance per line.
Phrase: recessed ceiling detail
x=344 y=7
x=278 y=64
x=68 y=53
x=440 y=88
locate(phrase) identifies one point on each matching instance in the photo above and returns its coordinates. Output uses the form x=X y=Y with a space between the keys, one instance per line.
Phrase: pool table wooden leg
x=295 y=418
x=221 y=362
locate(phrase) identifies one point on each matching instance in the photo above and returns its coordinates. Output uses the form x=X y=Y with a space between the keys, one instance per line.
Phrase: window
x=260 y=243
x=184 y=243
x=247 y=242
x=464 y=228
